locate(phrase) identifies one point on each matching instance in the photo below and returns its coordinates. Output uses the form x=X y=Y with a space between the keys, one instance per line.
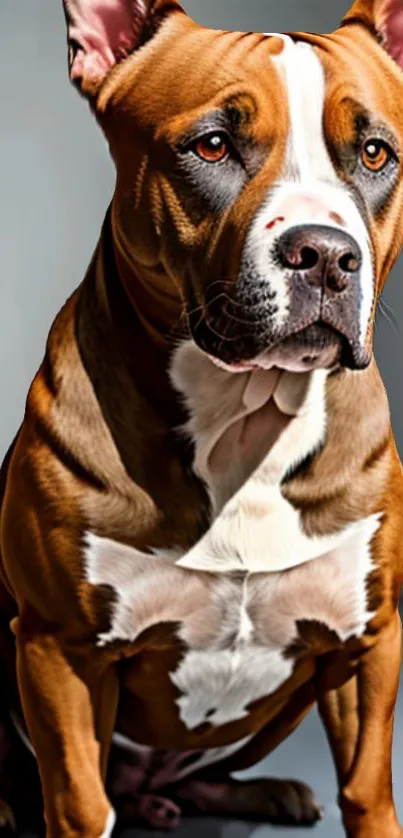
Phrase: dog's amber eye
x=375 y=155
x=212 y=148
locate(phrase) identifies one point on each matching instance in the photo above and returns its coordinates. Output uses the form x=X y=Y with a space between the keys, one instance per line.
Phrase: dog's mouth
x=241 y=338
x=315 y=347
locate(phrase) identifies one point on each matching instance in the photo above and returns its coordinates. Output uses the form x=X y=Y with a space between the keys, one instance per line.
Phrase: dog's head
x=260 y=175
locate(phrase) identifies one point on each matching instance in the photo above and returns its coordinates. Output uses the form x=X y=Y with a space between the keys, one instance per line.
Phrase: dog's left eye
x=376 y=154
x=213 y=147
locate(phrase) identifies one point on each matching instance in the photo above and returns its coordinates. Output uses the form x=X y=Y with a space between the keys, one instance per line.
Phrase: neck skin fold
x=146 y=315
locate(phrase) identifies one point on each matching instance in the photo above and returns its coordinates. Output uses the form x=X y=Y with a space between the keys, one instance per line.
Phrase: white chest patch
x=235 y=627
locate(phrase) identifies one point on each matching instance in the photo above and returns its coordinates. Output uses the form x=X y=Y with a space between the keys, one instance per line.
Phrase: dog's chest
x=235 y=633
x=255 y=588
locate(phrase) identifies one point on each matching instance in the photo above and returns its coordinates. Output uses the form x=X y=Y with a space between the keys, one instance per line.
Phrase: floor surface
x=304 y=756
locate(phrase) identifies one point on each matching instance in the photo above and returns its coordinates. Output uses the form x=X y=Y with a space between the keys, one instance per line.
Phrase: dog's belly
x=211 y=648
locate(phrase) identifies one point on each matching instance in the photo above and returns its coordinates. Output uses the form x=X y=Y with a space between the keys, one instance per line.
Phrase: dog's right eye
x=376 y=154
x=213 y=147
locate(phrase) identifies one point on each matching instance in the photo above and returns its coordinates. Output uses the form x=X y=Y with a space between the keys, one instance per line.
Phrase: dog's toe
x=290 y=802
x=147 y=810
x=159 y=813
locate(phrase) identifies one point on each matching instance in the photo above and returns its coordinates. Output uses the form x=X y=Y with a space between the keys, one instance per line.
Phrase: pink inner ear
x=391 y=27
x=101 y=32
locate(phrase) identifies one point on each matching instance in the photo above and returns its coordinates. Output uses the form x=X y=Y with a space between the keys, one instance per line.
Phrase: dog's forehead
x=358 y=75
x=201 y=68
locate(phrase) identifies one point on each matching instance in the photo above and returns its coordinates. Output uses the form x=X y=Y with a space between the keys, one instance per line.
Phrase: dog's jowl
x=202 y=512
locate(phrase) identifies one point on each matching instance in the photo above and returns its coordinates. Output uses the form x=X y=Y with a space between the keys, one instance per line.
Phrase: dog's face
x=260 y=174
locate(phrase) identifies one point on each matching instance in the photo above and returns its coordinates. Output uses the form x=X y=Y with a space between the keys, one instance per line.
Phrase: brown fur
x=98 y=449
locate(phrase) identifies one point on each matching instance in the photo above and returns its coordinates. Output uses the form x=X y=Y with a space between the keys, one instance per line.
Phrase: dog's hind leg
x=281 y=802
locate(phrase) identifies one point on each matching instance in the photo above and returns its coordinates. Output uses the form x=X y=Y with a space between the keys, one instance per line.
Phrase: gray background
x=56 y=181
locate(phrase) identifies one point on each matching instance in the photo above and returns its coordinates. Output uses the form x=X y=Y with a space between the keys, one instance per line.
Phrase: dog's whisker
x=204 y=306
x=389 y=315
x=224 y=338
x=242 y=320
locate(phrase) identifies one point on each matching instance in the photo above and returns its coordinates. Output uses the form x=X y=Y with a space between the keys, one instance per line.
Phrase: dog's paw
x=287 y=802
x=159 y=812
x=7 y=821
x=148 y=810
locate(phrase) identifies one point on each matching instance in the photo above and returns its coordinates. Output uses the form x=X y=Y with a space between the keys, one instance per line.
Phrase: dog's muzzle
x=319 y=267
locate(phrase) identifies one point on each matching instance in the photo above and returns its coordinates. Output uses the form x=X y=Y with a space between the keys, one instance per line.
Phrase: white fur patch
x=219 y=686
x=304 y=78
x=236 y=627
x=309 y=190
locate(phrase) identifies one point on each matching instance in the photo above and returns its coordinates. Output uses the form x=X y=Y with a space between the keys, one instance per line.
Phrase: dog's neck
x=154 y=296
x=145 y=312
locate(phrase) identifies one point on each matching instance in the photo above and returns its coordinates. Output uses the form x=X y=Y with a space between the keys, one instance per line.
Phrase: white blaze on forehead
x=308 y=190
x=303 y=75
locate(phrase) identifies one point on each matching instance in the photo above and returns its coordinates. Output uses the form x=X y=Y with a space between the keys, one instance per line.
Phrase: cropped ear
x=385 y=19
x=101 y=33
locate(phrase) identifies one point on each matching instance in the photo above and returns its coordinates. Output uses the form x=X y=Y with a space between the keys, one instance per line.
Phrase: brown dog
x=201 y=524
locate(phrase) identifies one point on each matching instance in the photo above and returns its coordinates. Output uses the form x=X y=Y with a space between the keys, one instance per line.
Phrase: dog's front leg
x=70 y=709
x=359 y=722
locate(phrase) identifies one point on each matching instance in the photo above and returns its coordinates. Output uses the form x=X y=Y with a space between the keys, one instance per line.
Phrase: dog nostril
x=349 y=263
x=301 y=260
x=309 y=258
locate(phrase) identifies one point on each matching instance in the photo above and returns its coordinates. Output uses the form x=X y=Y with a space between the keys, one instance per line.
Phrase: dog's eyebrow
x=214 y=121
x=229 y=116
x=365 y=121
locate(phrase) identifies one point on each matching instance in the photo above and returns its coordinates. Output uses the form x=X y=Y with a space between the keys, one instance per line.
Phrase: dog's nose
x=325 y=255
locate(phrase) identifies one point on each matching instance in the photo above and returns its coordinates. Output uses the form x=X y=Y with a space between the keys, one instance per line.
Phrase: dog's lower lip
x=313 y=347
x=238 y=367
